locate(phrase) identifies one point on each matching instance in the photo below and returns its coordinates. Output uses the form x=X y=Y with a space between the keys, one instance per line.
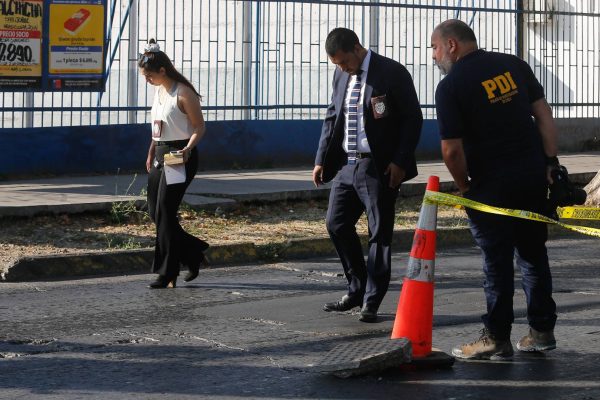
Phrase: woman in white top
x=177 y=126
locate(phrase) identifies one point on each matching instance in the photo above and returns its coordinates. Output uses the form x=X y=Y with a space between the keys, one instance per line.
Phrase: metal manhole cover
x=365 y=356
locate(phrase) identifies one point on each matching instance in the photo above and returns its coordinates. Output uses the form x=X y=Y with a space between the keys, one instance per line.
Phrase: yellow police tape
x=590 y=213
x=450 y=200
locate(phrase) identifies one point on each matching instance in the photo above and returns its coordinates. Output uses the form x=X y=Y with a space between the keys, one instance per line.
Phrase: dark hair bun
x=152 y=41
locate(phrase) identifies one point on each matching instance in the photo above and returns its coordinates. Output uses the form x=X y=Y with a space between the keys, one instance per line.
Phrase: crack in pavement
x=216 y=343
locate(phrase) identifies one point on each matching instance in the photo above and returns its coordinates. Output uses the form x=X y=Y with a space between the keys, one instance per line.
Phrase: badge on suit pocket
x=380 y=107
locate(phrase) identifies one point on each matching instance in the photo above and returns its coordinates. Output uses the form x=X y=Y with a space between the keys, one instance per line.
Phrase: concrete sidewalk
x=213 y=189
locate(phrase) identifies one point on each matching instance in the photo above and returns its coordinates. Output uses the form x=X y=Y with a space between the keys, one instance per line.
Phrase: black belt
x=363 y=155
x=172 y=143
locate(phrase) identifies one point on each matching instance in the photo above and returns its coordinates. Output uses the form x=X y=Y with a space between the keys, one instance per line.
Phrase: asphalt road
x=249 y=332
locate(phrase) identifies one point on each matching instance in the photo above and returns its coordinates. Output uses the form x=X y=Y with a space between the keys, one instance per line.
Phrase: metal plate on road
x=365 y=356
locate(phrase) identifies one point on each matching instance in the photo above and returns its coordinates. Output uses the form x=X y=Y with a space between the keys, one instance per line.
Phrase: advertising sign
x=52 y=45
x=21 y=44
x=76 y=45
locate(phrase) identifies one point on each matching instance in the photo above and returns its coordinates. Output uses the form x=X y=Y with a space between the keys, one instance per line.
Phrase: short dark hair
x=340 y=39
x=456 y=29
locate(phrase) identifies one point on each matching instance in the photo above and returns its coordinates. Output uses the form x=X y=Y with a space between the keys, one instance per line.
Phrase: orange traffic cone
x=414 y=317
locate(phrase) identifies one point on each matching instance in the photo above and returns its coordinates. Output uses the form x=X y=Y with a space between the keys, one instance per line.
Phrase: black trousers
x=357 y=189
x=174 y=247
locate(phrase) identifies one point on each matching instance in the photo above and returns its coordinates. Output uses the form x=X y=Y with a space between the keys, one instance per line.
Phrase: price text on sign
x=21 y=43
x=15 y=52
x=22 y=52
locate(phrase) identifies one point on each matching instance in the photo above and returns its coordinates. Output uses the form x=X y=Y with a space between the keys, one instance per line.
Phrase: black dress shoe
x=368 y=314
x=345 y=304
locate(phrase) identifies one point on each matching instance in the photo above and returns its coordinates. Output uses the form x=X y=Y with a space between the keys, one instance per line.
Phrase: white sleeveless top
x=176 y=125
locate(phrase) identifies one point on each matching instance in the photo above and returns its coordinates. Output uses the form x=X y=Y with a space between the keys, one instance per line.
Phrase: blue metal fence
x=265 y=60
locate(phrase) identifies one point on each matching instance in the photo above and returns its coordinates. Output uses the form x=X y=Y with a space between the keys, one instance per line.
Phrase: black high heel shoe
x=192 y=274
x=194 y=271
x=162 y=282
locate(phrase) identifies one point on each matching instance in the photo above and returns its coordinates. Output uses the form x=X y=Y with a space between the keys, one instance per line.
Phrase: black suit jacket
x=392 y=138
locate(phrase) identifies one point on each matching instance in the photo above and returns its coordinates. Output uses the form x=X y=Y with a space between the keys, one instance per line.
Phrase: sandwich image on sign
x=77 y=21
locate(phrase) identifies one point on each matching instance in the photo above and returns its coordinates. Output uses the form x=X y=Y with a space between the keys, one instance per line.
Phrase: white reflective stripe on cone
x=420 y=270
x=428 y=217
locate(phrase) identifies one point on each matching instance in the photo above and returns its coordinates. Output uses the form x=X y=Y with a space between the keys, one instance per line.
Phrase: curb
x=124 y=262
x=119 y=262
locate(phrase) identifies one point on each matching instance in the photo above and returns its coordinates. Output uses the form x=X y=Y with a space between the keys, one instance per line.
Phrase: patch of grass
x=118 y=242
x=123 y=211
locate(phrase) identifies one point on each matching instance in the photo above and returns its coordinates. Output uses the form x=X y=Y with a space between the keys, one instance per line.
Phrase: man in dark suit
x=369 y=135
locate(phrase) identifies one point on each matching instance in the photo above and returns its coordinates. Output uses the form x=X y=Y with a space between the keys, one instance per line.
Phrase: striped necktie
x=353 y=119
